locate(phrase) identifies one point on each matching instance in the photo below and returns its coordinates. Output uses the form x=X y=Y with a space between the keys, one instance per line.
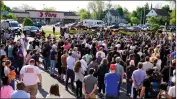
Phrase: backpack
x=154 y=89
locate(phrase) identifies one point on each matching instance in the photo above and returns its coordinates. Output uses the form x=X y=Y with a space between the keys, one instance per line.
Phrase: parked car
x=58 y=24
x=115 y=26
x=32 y=31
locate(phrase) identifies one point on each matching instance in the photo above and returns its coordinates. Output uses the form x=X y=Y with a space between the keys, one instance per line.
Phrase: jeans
x=120 y=82
x=46 y=62
x=69 y=74
x=101 y=84
x=78 y=88
x=52 y=66
x=129 y=86
x=12 y=84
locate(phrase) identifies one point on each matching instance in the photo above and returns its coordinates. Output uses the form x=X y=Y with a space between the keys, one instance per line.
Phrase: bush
x=27 y=22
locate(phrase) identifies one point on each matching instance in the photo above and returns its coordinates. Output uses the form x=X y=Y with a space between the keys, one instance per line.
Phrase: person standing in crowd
x=10 y=49
x=76 y=54
x=6 y=90
x=53 y=55
x=111 y=81
x=28 y=57
x=2 y=50
x=20 y=92
x=36 y=57
x=129 y=72
x=103 y=68
x=84 y=64
x=147 y=64
x=151 y=86
x=69 y=72
x=29 y=75
x=54 y=92
x=119 y=71
x=166 y=71
x=79 y=77
x=25 y=40
x=93 y=64
x=138 y=77
x=53 y=30
x=172 y=89
x=101 y=52
x=64 y=64
x=90 y=85
x=46 y=55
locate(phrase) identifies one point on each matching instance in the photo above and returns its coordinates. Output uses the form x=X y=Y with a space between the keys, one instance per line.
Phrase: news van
x=93 y=23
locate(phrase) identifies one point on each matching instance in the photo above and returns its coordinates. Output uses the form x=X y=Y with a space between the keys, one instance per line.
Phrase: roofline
x=18 y=12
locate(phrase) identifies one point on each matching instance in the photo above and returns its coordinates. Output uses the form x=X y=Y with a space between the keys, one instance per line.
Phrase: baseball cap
x=112 y=66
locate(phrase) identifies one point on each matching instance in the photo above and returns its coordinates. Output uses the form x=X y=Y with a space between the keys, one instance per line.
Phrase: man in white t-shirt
x=147 y=64
x=29 y=75
x=66 y=35
x=102 y=53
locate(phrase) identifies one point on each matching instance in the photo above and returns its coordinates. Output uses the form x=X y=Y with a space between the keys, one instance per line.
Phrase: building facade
x=113 y=17
x=49 y=17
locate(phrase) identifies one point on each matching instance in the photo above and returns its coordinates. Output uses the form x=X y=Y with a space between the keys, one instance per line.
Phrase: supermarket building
x=48 y=17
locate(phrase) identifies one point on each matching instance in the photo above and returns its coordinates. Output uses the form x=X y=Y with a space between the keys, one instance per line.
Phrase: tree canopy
x=49 y=9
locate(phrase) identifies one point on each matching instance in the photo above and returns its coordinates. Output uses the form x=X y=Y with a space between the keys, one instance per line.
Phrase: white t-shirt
x=66 y=35
x=6 y=70
x=147 y=65
x=102 y=54
x=172 y=91
x=2 y=52
x=84 y=64
x=30 y=74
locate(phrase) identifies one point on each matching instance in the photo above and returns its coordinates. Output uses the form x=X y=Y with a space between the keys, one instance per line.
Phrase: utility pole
x=141 y=17
x=144 y=15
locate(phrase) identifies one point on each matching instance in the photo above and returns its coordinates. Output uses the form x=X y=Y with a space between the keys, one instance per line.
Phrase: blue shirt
x=20 y=94
x=111 y=82
x=139 y=75
x=53 y=53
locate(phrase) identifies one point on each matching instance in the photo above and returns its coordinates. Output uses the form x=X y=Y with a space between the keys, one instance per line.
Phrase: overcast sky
x=76 y=5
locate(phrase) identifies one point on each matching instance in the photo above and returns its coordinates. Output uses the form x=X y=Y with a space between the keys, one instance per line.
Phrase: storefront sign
x=48 y=14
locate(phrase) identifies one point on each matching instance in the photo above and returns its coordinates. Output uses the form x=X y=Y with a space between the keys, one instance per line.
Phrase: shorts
x=63 y=70
x=32 y=89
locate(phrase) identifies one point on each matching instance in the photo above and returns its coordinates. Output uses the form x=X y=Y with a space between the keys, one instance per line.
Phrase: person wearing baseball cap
x=111 y=82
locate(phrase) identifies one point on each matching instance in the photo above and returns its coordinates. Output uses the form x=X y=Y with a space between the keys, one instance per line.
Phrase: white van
x=93 y=23
x=10 y=25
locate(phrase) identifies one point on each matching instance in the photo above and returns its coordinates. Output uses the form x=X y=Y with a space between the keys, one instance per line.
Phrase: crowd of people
x=102 y=60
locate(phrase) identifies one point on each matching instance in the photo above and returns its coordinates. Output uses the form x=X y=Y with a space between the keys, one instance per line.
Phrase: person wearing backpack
x=151 y=86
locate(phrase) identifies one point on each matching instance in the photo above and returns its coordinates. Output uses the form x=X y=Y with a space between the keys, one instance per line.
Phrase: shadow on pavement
x=42 y=91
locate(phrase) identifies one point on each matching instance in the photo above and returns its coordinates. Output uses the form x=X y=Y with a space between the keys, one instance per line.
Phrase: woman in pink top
x=66 y=46
x=6 y=90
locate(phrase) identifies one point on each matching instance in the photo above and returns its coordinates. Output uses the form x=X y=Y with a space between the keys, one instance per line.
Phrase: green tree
x=173 y=17
x=120 y=10
x=166 y=8
x=134 y=20
x=49 y=9
x=23 y=7
x=27 y=22
x=96 y=8
x=83 y=14
x=10 y=16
